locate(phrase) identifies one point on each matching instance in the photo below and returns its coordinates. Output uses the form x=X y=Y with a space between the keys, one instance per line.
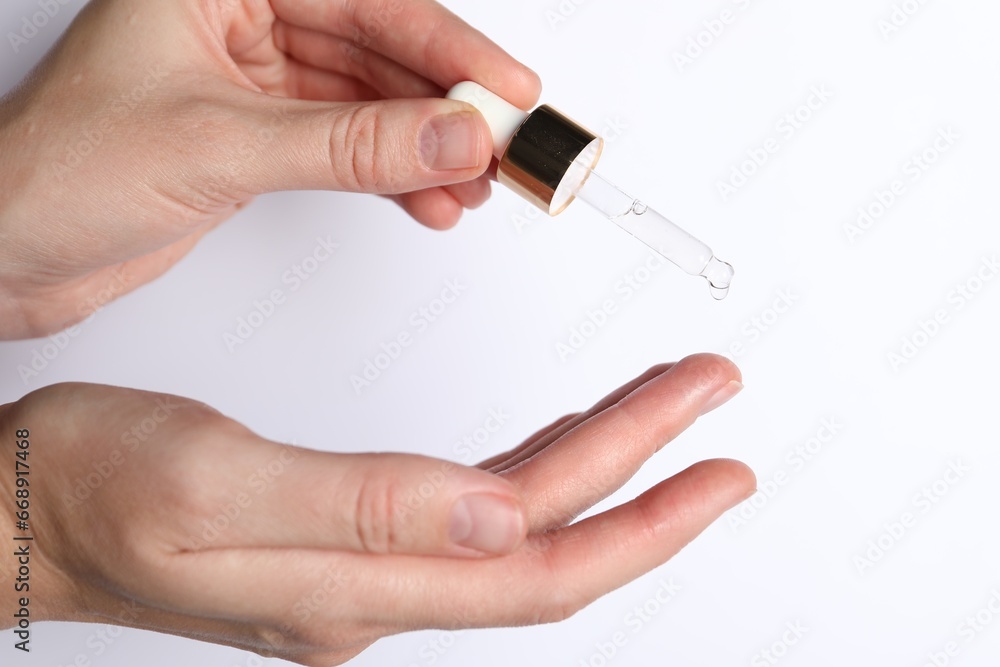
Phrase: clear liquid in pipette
x=719 y=274
x=656 y=231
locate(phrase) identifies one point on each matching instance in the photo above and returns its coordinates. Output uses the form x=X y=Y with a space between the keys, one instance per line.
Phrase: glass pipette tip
x=656 y=231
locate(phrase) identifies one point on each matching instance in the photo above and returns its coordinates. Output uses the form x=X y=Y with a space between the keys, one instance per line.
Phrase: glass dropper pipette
x=652 y=228
x=548 y=159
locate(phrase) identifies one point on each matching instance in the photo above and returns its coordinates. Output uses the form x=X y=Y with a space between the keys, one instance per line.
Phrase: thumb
x=375 y=503
x=384 y=147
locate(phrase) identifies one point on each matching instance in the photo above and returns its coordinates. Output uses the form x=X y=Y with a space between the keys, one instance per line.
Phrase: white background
x=613 y=64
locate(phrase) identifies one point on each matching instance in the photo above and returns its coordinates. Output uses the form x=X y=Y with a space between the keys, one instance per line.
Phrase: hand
x=153 y=121
x=158 y=512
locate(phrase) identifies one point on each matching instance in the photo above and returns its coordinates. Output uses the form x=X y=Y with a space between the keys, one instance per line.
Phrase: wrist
x=9 y=595
x=31 y=589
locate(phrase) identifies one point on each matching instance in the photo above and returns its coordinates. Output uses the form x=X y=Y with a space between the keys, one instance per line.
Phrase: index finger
x=594 y=459
x=423 y=36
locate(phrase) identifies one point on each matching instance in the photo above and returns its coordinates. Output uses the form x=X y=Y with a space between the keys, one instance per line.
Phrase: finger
x=442 y=208
x=557 y=574
x=283 y=496
x=422 y=36
x=527 y=450
x=306 y=82
x=531 y=440
x=597 y=457
x=433 y=207
x=547 y=580
x=471 y=194
x=382 y=147
x=337 y=54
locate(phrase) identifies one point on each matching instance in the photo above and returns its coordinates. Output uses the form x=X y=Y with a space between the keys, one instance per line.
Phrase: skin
x=153 y=121
x=159 y=119
x=133 y=548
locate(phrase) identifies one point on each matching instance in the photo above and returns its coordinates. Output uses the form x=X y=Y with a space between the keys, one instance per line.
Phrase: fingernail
x=450 y=141
x=485 y=522
x=729 y=390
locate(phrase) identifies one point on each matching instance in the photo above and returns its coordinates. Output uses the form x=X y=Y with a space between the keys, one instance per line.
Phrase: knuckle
x=560 y=599
x=318 y=643
x=202 y=134
x=270 y=642
x=549 y=600
x=379 y=526
x=357 y=152
x=187 y=481
x=558 y=608
x=297 y=643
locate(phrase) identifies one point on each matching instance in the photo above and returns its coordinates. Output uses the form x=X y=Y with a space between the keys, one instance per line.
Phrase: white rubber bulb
x=503 y=117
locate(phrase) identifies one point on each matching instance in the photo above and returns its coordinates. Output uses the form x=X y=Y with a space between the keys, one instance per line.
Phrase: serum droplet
x=719 y=275
x=638 y=207
x=718 y=293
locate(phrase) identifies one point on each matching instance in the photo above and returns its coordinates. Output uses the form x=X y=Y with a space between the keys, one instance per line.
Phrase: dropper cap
x=544 y=155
